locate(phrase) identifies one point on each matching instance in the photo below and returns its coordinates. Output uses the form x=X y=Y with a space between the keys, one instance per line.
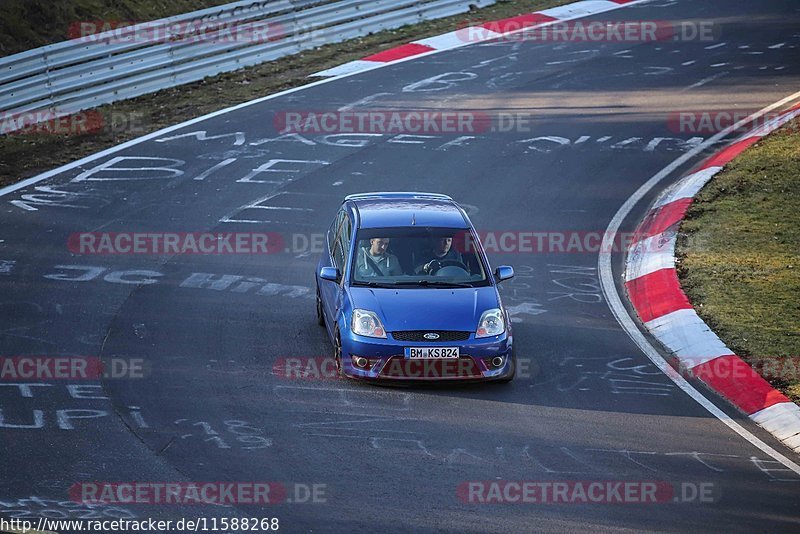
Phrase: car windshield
x=417 y=257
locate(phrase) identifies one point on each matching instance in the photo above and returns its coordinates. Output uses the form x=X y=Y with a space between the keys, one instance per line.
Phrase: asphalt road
x=214 y=407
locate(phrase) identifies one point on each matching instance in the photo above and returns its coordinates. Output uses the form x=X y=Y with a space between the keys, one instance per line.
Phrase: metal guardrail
x=86 y=72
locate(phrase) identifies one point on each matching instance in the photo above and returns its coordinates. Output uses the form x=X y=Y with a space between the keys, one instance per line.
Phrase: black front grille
x=419 y=335
x=399 y=367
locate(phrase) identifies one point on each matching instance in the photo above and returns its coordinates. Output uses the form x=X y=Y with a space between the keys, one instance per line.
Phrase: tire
x=320 y=314
x=508 y=379
x=337 y=354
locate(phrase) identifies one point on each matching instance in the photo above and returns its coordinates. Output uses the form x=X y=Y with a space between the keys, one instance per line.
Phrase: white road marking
x=604 y=261
x=526 y=308
x=208 y=172
x=202 y=135
x=455 y=38
x=351 y=67
x=707 y=80
x=656 y=71
x=366 y=100
x=562 y=62
x=164 y=169
x=440 y=82
x=627 y=322
x=699 y=457
x=133 y=142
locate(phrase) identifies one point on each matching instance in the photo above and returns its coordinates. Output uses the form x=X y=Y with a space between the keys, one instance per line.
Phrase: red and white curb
x=654 y=291
x=472 y=34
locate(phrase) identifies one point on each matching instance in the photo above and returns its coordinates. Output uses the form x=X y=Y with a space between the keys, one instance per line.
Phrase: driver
x=441 y=250
x=376 y=261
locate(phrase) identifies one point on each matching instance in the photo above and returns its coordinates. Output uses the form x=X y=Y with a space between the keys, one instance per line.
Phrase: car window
x=342 y=242
x=333 y=234
x=347 y=229
x=417 y=257
x=338 y=254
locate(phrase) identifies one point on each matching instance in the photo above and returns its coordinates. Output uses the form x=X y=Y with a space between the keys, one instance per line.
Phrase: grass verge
x=22 y=156
x=739 y=256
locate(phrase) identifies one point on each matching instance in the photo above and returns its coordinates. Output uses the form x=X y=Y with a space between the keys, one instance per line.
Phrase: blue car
x=405 y=292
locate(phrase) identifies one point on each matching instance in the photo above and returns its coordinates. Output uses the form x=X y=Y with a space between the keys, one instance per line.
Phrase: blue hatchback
x=406 y=293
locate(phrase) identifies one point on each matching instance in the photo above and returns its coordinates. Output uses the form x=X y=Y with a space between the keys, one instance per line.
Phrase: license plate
x=431 y=353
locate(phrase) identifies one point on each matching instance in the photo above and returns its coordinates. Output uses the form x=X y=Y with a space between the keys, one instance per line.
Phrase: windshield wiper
x=439 y=283
x=434 y=283
x=373 y=284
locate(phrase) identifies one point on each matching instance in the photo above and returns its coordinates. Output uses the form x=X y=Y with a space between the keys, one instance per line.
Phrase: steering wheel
x=435 y=265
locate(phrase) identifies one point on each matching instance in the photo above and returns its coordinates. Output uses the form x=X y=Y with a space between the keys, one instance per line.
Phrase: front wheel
x=320 y=315
x=510 y=377
x=337 y=354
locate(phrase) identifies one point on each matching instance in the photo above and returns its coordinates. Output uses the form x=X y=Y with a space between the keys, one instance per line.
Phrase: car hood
x=426 y=309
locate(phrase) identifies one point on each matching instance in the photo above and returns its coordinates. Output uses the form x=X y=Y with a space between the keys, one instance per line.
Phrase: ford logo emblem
x=431 y=335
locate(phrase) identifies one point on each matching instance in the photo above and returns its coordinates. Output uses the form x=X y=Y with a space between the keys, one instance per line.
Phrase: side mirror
x=330 y=273
x=504 y=272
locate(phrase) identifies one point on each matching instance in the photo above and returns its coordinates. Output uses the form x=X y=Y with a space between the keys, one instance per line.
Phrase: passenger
x=441 y=250
x=376 y=261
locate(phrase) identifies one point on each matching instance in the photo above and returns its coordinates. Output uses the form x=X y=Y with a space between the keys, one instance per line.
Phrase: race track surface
x=214 y=406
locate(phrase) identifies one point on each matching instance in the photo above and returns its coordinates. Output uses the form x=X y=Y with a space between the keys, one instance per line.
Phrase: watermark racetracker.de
x=559 y=492
x=530 y=28
x=63 y=123
x=187 y=493
x=42 y=367
x=165 y=243
x=714 y=121
x=191 y=31
x=324 y=368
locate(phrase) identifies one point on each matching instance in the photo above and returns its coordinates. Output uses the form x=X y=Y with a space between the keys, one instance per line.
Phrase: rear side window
x=342 y=241
x=333 y=231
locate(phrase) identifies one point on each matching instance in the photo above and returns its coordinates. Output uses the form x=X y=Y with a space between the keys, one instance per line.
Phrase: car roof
x=397 y=210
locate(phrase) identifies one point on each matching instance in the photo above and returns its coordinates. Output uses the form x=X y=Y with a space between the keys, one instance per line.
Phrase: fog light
x=498 y=361
x=360 y=361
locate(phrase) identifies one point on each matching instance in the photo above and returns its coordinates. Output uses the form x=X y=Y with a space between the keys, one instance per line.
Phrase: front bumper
x=388 y=363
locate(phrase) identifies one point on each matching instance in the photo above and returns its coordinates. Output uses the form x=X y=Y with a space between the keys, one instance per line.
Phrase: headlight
x=366 y=323
x=491 y=323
